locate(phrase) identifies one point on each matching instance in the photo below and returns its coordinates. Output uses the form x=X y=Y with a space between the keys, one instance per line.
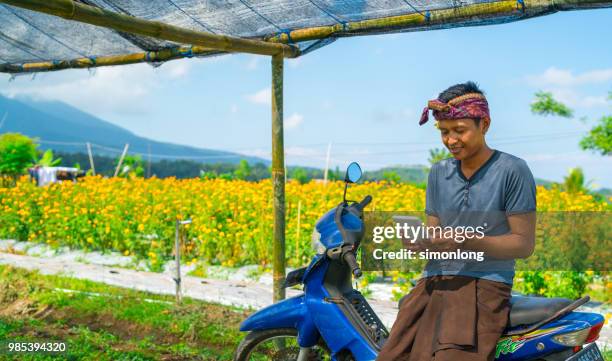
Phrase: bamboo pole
x=71 y=10
x=278 y=179
x=178 y=52
x=439 y=18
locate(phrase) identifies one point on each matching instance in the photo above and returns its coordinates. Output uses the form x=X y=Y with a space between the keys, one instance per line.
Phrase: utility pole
x=91 y=161
x=149 y=165
x=327 y=163
x=177 y=257
x=125 y=149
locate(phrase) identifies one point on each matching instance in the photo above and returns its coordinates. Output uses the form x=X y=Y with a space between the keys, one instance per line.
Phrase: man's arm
x=519 y=243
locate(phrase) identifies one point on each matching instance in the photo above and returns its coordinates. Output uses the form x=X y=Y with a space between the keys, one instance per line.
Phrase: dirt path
x=232 y=293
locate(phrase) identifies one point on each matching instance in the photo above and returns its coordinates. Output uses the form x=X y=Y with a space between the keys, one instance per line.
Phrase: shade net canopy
x=32 y=41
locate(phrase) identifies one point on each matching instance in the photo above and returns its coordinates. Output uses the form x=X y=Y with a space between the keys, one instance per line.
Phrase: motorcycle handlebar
x=349 y=258
x=361 y=205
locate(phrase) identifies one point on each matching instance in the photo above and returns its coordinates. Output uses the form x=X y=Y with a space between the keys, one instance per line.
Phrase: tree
x=599 y=138
x=335 y=174
x=243 y=171
x=574 y=182
x=545 y=104
x=17 y=152
x=208 y=175
x=132 y=166
x=392 y=177
x=47 y=160
x=438 y=154
x=300 y=175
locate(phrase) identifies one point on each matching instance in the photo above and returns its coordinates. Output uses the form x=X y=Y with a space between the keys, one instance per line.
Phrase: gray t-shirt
x=502 y=186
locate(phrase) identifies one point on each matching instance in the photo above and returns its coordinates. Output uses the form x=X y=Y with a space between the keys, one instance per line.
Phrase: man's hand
x=443 y=244
x=412 y=246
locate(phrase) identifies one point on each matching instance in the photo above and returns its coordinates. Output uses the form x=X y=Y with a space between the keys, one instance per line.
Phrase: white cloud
x=258 y=152
x=293 y=121
x=568 y=87
x=573 y=98
x=264 y=96
x=304 y=152
x=106 y=90
x=594 y=101
x=566 y=78
x=176 y=69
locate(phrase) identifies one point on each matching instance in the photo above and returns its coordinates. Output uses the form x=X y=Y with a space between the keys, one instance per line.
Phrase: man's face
x=463 y=137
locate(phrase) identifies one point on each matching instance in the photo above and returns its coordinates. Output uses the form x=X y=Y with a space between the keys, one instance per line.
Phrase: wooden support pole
x=77 y=11
x=177 y=259
x=278 y=179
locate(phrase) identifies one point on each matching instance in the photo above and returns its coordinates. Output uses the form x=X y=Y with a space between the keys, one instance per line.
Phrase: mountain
x=415 y=174
x=411 y=174
x=59 y=126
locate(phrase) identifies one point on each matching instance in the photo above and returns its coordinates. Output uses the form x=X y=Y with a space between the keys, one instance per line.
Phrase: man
x=459 y=308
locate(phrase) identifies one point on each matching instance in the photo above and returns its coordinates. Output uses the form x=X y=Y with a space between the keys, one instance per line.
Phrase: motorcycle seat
x=526 y=310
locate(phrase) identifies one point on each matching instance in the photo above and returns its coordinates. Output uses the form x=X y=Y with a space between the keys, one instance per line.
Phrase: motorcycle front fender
x=289 y=313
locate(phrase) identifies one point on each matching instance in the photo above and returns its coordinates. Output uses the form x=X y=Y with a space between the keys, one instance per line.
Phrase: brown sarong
x=449 y=318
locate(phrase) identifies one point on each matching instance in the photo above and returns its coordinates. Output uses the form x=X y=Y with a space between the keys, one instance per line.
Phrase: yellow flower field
x=231 y=219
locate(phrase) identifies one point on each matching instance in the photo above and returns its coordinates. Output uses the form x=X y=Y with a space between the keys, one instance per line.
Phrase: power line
x=497 y=141
x=405 y=143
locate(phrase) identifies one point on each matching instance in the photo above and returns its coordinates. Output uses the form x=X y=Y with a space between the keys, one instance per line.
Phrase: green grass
x=118 y=324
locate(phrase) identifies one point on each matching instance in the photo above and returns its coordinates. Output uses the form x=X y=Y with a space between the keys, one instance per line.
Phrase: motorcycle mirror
x=353 y=173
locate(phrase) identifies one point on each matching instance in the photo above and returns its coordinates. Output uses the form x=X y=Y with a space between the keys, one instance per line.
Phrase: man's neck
x=470 y=165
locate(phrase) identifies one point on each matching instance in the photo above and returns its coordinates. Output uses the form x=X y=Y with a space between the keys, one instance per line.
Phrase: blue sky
x=365 y=94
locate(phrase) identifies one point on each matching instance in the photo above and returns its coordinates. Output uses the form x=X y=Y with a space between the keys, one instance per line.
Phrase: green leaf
x=545 y=104
x=599 y=138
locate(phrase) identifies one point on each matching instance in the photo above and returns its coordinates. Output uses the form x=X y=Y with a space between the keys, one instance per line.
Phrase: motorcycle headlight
x=316 y=242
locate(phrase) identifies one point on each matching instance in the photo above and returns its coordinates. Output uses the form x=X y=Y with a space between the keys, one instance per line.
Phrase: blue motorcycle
x=333 y=321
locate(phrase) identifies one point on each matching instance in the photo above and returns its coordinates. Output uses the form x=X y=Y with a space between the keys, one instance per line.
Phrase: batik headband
x=472 y=105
